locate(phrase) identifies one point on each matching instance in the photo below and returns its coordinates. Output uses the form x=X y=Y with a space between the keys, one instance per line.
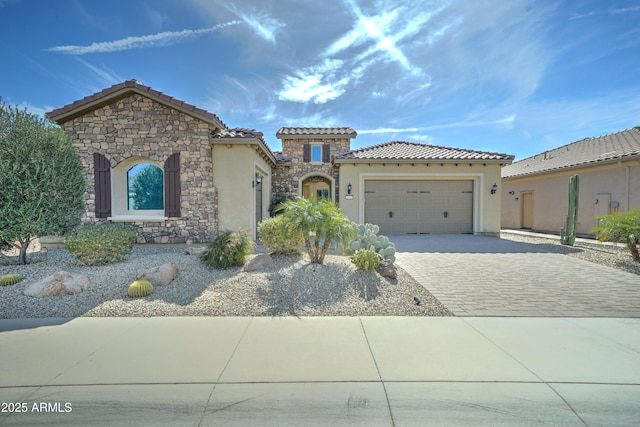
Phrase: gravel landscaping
x=612 y=255
x=291 y=287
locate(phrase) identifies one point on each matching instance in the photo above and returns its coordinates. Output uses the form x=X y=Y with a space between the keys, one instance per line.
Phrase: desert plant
x=140 y=288
x=273 y=235
x=623 y=227
x=229 y=249
x=10 y=279
x=365 y=259
x=41 y=180
x=366 y=237
x=319 y=221
x=568 y=233
x=100 y=244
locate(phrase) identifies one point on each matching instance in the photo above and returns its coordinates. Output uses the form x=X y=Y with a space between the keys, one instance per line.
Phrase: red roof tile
x=400 y=150
x=311 y=131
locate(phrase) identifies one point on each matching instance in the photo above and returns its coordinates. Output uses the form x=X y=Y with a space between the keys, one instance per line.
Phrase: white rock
x=161 y=275
x=60 y=283
x=258 y=263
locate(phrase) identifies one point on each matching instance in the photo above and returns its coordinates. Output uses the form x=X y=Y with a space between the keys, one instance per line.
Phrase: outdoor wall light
x=258 y=178
x=349 y=188
x=512 y=192
x=494 y=188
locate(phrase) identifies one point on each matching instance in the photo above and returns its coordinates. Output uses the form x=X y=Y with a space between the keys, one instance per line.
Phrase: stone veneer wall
x=137 y=126
x=289 y=176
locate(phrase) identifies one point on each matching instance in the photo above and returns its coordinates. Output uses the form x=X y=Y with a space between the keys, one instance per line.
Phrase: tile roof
x=589 y=151
x=406 y=151
x=121 y=90
x=309 y=131
x=244 y=134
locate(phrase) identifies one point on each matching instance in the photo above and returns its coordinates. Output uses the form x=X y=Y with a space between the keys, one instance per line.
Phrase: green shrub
x=621 y=227
x=229 y=249
x=274 y=236
x=101 y=243
x=366 y=259
x=320 y=222
x=140 y=288
x=10 y=279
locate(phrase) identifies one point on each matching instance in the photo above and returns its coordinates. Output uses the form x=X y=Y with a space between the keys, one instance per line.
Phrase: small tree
x=621 y=227
x=319 y=221
x=147 y=188
x=41 y=181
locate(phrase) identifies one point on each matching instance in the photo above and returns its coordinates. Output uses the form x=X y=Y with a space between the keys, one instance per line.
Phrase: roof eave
x=121 y=93
x=619 y=159
x=268 y=154
x=422 y=161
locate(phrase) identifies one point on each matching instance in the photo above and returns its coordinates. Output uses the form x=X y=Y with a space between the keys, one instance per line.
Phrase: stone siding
x=137 y=126
x=288 y=177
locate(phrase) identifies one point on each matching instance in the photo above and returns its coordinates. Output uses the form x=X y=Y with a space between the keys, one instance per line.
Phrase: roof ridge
x=384 y=144
x=138 y=85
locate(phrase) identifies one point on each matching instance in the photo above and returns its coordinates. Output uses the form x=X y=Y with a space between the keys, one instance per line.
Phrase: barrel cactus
x=10 y=279
x=140 y=288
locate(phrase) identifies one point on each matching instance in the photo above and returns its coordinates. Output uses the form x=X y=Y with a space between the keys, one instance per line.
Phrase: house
x=179 y=173
x=535 y=190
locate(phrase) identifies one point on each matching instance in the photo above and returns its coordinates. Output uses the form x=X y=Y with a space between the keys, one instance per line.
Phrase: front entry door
x=527 y=210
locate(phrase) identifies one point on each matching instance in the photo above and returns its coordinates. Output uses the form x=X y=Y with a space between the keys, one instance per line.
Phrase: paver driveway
x=488 y=276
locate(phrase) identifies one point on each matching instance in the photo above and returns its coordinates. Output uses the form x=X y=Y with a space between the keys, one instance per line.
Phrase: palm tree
x=320 y=222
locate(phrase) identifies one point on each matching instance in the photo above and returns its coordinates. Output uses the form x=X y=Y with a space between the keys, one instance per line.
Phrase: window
x=145 y=189
x=322 y=193
x=316 y=153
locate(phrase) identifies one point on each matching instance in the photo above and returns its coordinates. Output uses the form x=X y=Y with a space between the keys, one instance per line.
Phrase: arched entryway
x=317 y=185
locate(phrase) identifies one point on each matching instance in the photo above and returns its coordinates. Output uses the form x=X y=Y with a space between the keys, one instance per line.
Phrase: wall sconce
x=257 y=181
x=349 y=188
x=494 y=188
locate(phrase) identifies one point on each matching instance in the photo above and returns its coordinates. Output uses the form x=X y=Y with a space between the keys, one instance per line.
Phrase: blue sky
x=517 y=76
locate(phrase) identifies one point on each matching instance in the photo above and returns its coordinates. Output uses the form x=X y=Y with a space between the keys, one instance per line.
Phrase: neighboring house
x=535 y=190
x=178 y=173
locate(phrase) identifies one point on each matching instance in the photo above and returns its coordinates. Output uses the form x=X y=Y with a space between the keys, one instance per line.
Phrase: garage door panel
x=418 y=206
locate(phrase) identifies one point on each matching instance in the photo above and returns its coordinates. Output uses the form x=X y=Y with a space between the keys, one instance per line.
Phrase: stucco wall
x=234 y=169
x=137 y=126
x=486 y=206
x=550 y=196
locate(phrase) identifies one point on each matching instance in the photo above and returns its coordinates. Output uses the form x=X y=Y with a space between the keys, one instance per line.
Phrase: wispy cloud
x=166 y=38
x=262 y=24
x=373 y=39
x=506 y=121
x=109 y=76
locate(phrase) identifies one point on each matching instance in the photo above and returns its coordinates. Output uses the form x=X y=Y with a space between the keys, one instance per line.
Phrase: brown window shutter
x=102 y=177
x=172 y=185
x=306 y=153
x=325 y=153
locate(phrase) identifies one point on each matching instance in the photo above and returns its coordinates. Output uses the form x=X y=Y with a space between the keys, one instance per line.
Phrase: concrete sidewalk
x=369 y=371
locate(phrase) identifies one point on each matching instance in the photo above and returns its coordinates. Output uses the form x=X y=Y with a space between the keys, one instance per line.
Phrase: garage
x=419 y=206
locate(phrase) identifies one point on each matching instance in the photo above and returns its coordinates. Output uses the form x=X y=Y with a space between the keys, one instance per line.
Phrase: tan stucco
x=618 y=182
x=234 y=170
x=486 y=206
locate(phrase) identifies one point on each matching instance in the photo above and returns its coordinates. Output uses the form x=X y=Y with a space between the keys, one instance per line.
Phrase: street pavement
x=370 y=371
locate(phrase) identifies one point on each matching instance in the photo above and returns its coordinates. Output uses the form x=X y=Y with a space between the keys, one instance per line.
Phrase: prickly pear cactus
x=10 y=279
x=366 y=237
x=140 y=288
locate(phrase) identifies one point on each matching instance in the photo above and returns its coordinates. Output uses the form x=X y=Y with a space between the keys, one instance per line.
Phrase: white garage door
x=419 y=207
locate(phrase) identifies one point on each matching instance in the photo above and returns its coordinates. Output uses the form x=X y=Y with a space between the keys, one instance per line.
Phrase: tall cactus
x=568 y=232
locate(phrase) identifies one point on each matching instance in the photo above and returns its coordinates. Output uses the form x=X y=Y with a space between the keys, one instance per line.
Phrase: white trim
x=478 y=185
x=322 y=174
x=137 y=218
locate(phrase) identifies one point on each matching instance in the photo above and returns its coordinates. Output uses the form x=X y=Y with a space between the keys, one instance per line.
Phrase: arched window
x=145 y=187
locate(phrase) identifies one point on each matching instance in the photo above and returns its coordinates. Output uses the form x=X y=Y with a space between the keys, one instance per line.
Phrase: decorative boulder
x=195 y=250
x=387 y=269
x=158 y=276
x=258 y=263
x=60 y=283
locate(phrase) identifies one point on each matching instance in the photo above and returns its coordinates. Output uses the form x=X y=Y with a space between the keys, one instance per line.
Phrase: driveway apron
x=489 y=276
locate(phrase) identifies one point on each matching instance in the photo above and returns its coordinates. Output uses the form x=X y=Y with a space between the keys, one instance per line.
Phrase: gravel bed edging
x=292 y=287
